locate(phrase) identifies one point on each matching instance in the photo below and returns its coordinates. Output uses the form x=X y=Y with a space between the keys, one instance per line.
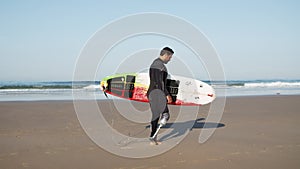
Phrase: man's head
x=166 y=54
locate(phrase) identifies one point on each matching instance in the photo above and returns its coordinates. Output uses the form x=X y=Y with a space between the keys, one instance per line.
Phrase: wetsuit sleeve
x=165 y=75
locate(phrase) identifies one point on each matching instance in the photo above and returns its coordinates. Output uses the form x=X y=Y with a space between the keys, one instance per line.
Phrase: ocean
x=64 y=90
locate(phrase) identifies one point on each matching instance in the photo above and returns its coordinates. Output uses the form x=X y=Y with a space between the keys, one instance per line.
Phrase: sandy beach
x=254 y=132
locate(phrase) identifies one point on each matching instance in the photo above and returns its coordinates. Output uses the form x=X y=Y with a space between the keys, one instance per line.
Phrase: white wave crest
x=278 y=84
x=92 y=87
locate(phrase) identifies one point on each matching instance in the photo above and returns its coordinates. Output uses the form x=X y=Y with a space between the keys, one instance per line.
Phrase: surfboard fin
x=104 y=90
x=105 y=94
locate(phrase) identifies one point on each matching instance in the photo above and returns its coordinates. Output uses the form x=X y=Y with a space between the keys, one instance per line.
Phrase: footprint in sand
x=50 y=152
x=13 y=154
x=25 y=165
x=181 y=161
x=263 y=151
x=235 y=153
x=91 y=148
x=279 y=146
x=212 y=159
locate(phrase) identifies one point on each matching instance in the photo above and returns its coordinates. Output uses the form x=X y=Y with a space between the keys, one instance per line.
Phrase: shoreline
x=254 y=132
x=116 y=98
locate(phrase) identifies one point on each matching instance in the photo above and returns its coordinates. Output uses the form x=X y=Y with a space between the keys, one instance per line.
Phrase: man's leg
x=154 y=125
x=165 y=116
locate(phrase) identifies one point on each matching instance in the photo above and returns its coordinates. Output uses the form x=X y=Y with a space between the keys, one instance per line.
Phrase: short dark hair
x=166 y=50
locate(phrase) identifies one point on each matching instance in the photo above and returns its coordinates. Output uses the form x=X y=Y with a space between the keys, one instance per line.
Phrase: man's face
x=167 y=58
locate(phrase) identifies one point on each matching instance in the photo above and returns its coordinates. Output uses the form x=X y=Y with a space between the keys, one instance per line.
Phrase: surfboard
x=134 y=86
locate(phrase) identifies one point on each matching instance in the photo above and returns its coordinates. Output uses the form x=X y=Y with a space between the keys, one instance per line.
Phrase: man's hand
x=169 y=99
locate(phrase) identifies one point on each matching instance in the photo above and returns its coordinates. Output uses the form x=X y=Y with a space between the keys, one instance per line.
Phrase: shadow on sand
x=180 y=128
x=198 y=124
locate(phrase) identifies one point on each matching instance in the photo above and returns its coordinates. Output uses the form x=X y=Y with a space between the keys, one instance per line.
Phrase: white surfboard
x=134 y=86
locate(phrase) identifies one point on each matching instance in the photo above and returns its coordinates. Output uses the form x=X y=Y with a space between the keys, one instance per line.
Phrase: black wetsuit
x=158 y=80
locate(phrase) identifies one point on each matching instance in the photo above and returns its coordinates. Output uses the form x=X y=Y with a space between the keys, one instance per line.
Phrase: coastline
x=256 y=132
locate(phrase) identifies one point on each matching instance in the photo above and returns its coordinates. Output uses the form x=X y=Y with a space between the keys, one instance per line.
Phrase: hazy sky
x=41 y=40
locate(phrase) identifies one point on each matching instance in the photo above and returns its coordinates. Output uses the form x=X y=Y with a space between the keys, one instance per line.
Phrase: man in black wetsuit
x=157 y=93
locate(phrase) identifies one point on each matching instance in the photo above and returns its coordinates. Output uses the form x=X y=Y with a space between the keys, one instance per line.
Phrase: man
x=157 y=93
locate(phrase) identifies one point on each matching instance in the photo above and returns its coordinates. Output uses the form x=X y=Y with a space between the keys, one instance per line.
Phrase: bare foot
x=155 y=143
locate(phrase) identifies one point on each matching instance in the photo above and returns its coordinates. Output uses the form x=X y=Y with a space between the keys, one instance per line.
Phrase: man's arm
x=169 y=98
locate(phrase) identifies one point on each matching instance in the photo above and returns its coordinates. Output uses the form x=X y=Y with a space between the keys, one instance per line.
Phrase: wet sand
x=254 y=132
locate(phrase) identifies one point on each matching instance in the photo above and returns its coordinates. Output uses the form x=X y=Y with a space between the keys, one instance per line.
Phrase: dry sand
x=255 y=132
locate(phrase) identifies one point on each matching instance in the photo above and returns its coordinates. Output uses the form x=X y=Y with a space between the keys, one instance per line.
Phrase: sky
x=41 y=40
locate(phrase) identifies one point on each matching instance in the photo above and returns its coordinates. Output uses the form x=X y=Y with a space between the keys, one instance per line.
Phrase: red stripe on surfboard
x=139 y=94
